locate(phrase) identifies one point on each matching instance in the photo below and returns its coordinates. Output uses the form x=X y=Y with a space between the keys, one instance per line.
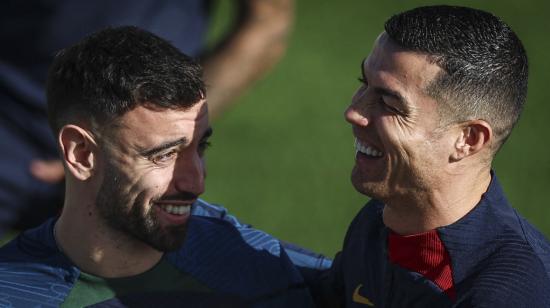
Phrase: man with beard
x=440 y=93
x=31 y=174
x=130 y=117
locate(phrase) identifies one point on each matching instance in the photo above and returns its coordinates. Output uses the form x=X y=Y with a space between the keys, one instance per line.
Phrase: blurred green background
x=281 y=160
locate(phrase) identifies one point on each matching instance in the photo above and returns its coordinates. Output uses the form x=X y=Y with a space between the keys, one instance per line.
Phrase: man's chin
x=363 y=185
x=165 y=238
x=372 y=190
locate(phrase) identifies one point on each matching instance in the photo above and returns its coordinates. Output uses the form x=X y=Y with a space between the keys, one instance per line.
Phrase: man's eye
x=164 y=157
x=390 y=108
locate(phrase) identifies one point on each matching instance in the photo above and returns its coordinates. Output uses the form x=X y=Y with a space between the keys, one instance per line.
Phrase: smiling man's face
x=153 y=172
x=400 y=145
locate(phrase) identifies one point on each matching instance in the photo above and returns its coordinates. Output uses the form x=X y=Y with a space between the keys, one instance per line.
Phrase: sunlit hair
x=484 y=65
x=115 y=70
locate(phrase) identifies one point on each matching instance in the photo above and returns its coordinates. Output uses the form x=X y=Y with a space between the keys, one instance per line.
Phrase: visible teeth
x=366 y=149
x=177 y=209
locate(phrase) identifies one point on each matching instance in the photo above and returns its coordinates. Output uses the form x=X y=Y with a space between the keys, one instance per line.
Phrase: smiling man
x=160 y=172
x=129 y=113
x=440 y=93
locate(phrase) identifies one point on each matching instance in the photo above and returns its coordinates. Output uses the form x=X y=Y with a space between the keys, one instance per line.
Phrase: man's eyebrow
x=163 y=147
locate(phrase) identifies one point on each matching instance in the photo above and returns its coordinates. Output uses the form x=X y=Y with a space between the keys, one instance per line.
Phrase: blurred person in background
x=130 y=117
x=32 y=31
x=440 y=93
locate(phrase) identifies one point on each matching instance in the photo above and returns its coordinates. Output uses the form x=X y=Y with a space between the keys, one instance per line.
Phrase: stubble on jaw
x=131 y=217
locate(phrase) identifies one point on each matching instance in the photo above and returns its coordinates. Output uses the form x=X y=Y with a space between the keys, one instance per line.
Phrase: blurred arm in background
x=245 y=55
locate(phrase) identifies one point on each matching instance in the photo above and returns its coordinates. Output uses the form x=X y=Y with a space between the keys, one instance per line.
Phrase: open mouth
x=366 y=149
x=173 y=212
x=174 y=208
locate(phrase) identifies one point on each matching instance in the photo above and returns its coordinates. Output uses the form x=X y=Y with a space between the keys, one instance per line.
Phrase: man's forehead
x=145 y=123
x=391 y=60
x=151 y=113
x=383 y=45
x=143 y=129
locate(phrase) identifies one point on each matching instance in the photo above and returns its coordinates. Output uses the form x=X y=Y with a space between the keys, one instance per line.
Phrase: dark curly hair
x=113 y=71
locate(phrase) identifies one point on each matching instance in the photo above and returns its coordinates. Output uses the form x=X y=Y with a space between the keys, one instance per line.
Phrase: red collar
x=425 y=254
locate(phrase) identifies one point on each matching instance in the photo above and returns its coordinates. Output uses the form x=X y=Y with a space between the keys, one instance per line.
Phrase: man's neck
x=452 y=199
x=97 y=249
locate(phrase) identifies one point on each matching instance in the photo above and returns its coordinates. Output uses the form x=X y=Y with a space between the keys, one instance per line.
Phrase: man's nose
x=189 y=174
x=356 y=116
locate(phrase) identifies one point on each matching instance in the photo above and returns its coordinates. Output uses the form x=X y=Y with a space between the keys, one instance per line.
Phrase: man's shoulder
x=205 y=209
x=511 y=277
x=299 y=256
x=33 y=272
x=498 y=257
x=238 y=238
x=213 y=242
x=493 y=229
x=538 y=242
x=215 y=223
x=511 y=236
x=241 y=261
x=518 y=266
x=34 y=246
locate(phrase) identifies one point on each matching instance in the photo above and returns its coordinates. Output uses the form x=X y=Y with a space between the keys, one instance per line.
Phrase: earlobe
x=474 y=136
x=77 y=147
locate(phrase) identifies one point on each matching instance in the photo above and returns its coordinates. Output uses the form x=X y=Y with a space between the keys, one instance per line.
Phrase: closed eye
x=164 y=157
x=389 y=107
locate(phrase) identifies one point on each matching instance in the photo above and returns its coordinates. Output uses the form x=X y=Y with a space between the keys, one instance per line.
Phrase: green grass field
x=281 y=160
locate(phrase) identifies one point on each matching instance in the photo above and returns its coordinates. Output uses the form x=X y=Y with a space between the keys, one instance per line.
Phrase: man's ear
x=474 y=136
x=78 y=149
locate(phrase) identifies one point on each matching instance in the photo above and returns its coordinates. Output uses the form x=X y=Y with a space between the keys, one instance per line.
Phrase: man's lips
x=173 y=212
x=367 y=149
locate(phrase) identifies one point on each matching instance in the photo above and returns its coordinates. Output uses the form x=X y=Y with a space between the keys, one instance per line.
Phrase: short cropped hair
x=484 y=65
x=115 y=70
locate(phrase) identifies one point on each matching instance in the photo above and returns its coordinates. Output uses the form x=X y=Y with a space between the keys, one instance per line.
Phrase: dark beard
x=114 y=207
